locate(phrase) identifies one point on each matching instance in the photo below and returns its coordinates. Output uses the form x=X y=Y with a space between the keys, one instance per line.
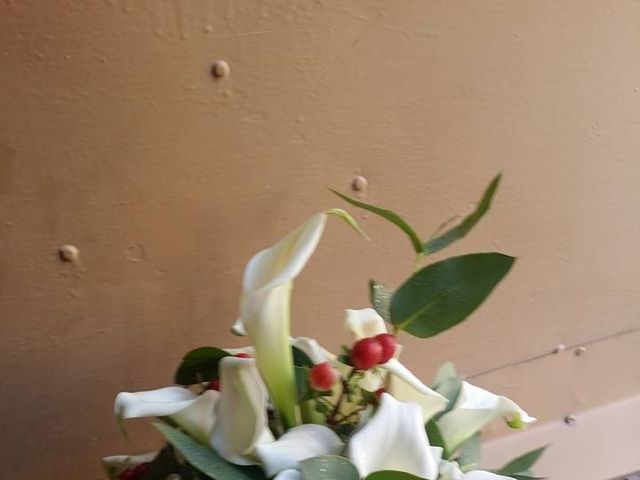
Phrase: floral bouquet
x=288 y=409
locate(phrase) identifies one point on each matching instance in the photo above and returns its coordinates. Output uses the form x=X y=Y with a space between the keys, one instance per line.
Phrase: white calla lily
x=394 y=438
x=193 y=413
x=474 y=409
x=363 y=323
x=451 y=471
x=406 y=387
x=241 y=412
x=265 y=308
x=289 y=474
x=299 y=443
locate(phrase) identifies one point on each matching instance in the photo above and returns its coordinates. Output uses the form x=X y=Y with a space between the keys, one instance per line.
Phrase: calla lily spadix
x=394 y=438
x=473 y=410
x=299 y=443
x=265 y=308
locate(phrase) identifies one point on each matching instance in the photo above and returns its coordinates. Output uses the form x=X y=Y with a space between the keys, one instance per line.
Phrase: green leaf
x=392 y=475
x=346 y=216
x=443 y=294
x=205 y=459
x=456 y=233
x=469 y=458
x=435 y=437
x=523 y=463
x=450 y=389
x=380 y=296
x=301 y=359
x=446 y=371
x=328 y=467
x=389 y=215
x=304 y=391
x=199 y=365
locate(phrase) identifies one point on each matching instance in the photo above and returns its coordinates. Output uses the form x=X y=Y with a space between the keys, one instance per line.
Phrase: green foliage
x=520 y=467
x=199 y=365
x=456 y=233
x=380 y=296
x=435 y=438
x=328 y=467
x=438 y=241
x=392 y=475
x=389 y=215
x=301 y=359
x=443 y=294
x=469 y=453
x=205 y=459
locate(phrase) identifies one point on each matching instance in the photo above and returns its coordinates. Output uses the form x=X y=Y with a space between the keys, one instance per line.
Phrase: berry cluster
x=372 y=351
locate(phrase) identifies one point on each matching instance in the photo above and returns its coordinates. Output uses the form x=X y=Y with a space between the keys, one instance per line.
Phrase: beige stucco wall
x=115 y=137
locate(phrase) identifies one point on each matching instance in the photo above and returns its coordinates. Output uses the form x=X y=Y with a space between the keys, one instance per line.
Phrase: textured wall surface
x=115 y=137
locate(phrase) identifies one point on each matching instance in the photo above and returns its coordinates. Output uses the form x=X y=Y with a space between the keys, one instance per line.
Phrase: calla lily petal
x=474 y=409
x=265 y=305
x=393 y=439
x=289 y=474
x=199 y=418
x=193 y=413
x=406 y=387
x=364 y=323
x=313 y=350
x=241 y=412
x=299 y=443
x=483 y=475
x=153 y=403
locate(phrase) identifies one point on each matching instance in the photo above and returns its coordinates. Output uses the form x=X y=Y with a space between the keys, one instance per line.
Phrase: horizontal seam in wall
x=547 y=354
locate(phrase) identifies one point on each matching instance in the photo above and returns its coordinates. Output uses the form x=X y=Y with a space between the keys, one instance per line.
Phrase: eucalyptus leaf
x=392 y=475
x=301 y=359
x=199 y=365
x=328 y=467
x=436 y=439
x=456 y=233
x=469 y=453
x=446 y=371
x=443 y=294
x=380 y=296
x=388 y=215
x=304 y=391
x=523 y=463
x=205 y=459
x=450 y=389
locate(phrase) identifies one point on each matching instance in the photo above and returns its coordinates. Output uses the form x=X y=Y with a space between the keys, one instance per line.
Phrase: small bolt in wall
x=69 y=253
x=220 y=69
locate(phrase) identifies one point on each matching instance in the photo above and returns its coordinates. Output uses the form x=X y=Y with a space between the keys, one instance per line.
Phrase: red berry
x=378 y=393
x=389 y=345
x=243 y=355
x=214 y=385
x=366 y=353
x=140 y=470
x=322 y=376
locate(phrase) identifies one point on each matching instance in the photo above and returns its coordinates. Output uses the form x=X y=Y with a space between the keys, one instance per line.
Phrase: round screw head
x=69 y=253
x=581 y=350
x=359 y=183
x=220 y=69
x=570 y=420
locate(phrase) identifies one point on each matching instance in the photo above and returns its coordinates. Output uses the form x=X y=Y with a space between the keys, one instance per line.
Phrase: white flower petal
x=450 y=471
x=199 y=418
x=153 y=403
x=474 y=409
x=406 y=387
x=241 y=412
x=299 y=443
x=313 y=350
x=393 y=439
x=364 y=323
x=482 y=475
x=289 y=474
x=265 y=309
